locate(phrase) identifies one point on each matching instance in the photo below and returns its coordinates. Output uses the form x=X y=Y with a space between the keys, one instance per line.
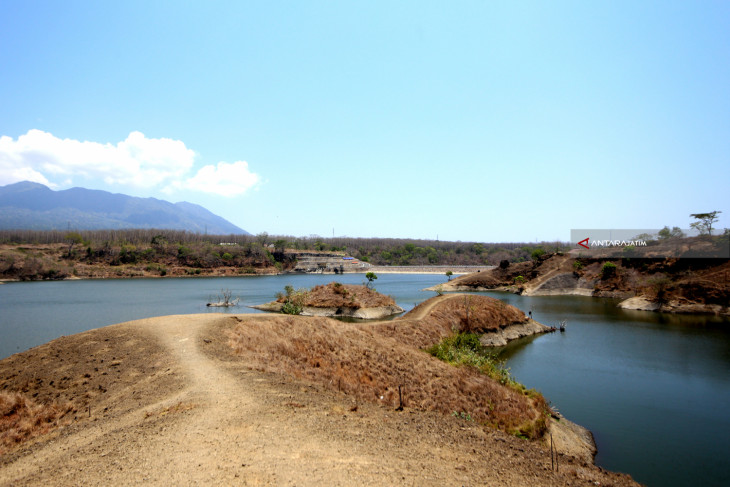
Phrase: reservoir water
x=653 y=388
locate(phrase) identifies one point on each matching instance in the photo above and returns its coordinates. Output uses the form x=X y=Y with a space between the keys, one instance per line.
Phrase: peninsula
x=273 y=399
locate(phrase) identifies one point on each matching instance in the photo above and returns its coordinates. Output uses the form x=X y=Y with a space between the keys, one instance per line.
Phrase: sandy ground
x=165 y=402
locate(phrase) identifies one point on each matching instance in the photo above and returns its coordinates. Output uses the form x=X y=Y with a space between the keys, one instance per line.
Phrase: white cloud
x=137 y=161
x=224 y=179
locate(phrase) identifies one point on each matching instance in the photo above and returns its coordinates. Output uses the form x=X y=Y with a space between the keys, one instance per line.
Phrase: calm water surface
x=33 y=313
x=653 y=388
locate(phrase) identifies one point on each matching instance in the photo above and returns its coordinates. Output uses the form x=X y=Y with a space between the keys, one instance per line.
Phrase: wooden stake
x=552 y=464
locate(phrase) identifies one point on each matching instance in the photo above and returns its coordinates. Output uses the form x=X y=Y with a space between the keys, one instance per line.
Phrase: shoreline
x=635 y=303
x=228 y=272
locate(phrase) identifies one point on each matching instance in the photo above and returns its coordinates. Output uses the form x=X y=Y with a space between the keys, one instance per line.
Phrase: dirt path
x=212 y=432
x=422 y=311
x=219 y=423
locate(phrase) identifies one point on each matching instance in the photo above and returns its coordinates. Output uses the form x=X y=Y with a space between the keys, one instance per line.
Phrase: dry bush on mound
x=366 y=365
x=474 y=313
x=448 y=316
x=21 y=419
x=336 y=295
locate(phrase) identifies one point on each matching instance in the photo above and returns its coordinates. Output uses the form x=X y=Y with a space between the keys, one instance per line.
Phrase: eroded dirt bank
x=691 y=285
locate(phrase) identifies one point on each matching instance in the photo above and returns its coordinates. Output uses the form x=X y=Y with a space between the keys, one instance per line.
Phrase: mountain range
x=33 y=206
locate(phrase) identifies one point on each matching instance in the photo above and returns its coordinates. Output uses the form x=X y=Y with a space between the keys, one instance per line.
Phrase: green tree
x=665 y=233
x=449 y=274
x=537 y=253
x=370 y=276
x=280 y=245
x=705 y=221
x=73 y=238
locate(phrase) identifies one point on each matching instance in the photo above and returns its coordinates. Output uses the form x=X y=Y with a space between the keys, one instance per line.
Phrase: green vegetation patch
x=465 y=349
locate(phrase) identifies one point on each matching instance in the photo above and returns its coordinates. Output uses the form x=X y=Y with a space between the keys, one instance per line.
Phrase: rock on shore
x=500 y=337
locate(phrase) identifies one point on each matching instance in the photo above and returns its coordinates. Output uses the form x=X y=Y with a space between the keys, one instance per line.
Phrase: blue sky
x=472 y=121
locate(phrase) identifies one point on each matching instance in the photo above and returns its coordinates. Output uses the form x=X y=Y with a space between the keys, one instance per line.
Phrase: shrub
x=128 y=254
x=291 y=308
x=466 y=349
x=293 y=300
x=608 y=270
x=537 y=253
x=660 y=285
x=183 y=251
x=339 y=289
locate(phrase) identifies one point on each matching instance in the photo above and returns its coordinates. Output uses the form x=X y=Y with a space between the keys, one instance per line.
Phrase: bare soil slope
x=165 y=401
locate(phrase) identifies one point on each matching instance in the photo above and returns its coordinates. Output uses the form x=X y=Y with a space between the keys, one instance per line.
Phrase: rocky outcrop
x=641 y=303
x=563 y=284
x=500 y=337
x=571 y=439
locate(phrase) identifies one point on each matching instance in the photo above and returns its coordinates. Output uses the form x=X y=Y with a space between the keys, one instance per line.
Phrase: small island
x=333 y=299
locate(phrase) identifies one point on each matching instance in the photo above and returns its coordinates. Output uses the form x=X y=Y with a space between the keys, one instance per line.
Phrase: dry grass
x=365 y=363
x=497 y=277
x=435 y=319
x=177 y=408
x=22 y=419
x=336 y=295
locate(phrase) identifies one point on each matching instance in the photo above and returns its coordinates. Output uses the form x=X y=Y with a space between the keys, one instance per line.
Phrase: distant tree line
x=206 y=251
x=30 y=255
x=404 y=252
